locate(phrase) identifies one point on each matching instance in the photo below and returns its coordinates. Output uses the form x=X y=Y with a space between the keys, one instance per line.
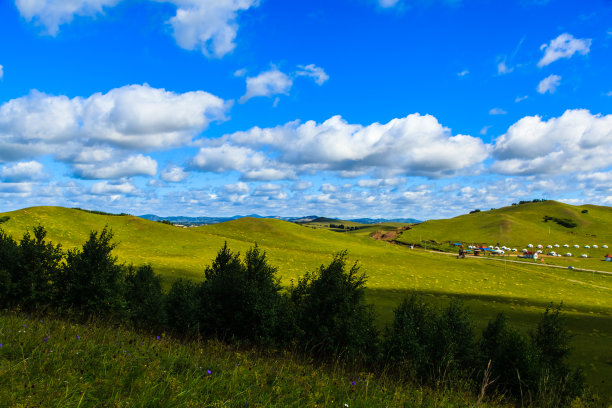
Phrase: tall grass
x=52 y=362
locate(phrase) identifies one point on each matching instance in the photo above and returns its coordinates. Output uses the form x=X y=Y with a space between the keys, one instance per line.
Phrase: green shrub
x=513 y=358
x=453 y=345
x=144 y=298
x=38 y=264
x=8 y=266
x=331 y=315
x=91 y=282
x=181 y=307
x=552 y=342
x=407 y=344
x=240 y=300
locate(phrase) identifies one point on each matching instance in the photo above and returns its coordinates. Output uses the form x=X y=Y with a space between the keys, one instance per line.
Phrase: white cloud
x=520 y=98
x=53 y=13
x=21 y=171
x=138 y=165
x=463 y=73
x=107 y=188
x=174 y=174
x=564 y=46
x=414 y=145
x=485 y=129
x=83 y=130
x=502 y=68
x=549 y=84
x=1 y=72
x=207 y=25
x=240 y=187
x=268 y=83
x=311 y=70
x=576 y=141
x=301 y=185
x=497 y=111
x=609 y=93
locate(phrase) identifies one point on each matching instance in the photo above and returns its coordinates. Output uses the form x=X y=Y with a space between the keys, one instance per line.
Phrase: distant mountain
x=309 y=218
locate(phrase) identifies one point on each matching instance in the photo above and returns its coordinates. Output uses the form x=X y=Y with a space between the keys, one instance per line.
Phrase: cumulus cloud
x=209 y=26
x=21 y=171
x=137 y=165
x=53 y=13
x=575 y=141
x=274 y=82
x=549 y=84
x=311 y=70
x=174 y=174
x=268 y=83
x=109 y=188
x=564 y=46
x=414 y=145
x=89 y=130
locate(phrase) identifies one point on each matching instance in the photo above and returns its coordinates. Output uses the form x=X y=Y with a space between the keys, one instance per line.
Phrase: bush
x=513 y=358
x=38 y=263
x=407 y=344
x=240 y=300
x=144 y=298
x=91 y=283
x=453 y=345
x=181 y=307
x=8 y=268
x=552 y=342
x=331 y=315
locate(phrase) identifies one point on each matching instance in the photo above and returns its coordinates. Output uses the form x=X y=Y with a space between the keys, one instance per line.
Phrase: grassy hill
x=487 y=287
x=519 y=225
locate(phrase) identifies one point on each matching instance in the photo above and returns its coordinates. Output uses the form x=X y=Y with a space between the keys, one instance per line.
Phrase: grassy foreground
x=52 y=362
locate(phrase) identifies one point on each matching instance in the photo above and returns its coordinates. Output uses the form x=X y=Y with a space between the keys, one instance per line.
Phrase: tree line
x=324 y=314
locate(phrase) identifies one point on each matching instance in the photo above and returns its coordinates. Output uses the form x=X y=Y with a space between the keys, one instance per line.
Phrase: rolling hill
x=519 y=225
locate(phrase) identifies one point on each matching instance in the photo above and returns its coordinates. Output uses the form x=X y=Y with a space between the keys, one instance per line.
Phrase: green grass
x=488 y=287
x=53 y=362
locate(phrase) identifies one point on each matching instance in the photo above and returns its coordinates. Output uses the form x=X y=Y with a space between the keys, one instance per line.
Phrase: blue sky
x=377 y=108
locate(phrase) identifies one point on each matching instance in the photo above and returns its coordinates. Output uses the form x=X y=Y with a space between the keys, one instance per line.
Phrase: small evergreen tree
x=514 y=365
x=91 y=283
x=241 y=300
x=408 y=341
x=144 y=298
x=552 y=342
x=331 y=315
x=182 y=307
x=9 y=254
x=38 y=267
x=453 y=345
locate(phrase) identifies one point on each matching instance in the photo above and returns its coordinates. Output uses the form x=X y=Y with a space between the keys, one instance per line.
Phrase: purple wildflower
x=78 y=337
x=208 y=371
x=353 y=382
x=46 y=338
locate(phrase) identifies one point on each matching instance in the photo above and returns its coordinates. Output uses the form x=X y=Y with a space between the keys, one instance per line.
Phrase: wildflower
x=353 y=382
x=346 y=405
x=78 y=337
x=208 y=371
x=46 y=338
x=0 y=344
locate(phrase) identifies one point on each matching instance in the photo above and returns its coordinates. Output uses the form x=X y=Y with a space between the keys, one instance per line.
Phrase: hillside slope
x=520 y=225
